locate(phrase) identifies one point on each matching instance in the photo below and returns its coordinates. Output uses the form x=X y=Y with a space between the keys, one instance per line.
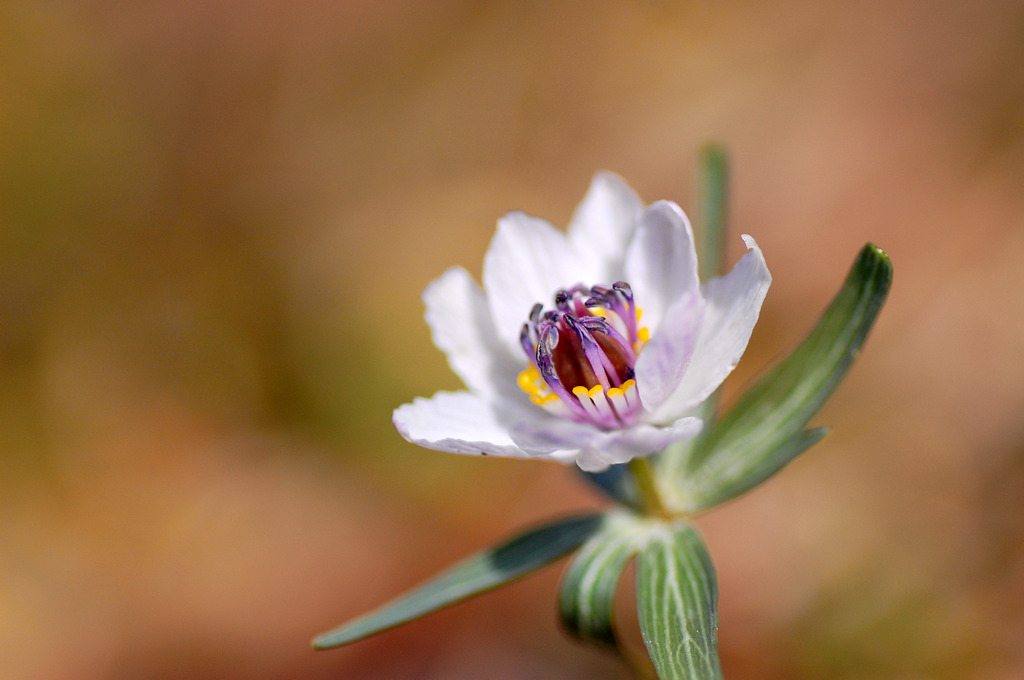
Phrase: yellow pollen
x=644 y=334
x=580 y=391
x=528 y=380
x=598 y=311
x=626 y=385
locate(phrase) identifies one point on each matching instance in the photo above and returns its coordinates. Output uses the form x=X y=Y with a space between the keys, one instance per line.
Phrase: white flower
x=592 y=346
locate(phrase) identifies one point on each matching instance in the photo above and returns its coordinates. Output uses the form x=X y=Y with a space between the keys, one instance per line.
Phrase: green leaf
x=677 y=605
x=482 y=572
x=764 y=430
x=731 y=486
x=587 y=594
x=713 y=200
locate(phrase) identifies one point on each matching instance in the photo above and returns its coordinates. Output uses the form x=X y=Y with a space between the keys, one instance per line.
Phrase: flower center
x=582 y=355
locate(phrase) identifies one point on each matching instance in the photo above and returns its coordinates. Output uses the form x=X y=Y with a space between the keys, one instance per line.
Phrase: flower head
x=593 y=346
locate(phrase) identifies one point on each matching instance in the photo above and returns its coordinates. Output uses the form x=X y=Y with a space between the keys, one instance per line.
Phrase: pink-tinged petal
x=461 y=324
x=456 y=422
x=594 y=449
x=732 y=305
x=602 y=227
x=661 y=263
x=668 y=354
x=542 y=436
x=527 y=261
x=622 y=446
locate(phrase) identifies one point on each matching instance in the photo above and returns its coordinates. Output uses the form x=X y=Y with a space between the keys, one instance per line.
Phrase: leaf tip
x=875 y=250
x=328 y=640
x=713 y=154
x=874 y=257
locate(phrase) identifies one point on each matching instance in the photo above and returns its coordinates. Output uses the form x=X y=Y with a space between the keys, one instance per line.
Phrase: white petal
x=602 y=227
x=593 y=449
x=546 y=435
x=667 y=355
x=733 y=303
x=456 y=422
x=589 y=460
x=527 y=261
x=622 y=446
x=661 y=264
x=463 y=329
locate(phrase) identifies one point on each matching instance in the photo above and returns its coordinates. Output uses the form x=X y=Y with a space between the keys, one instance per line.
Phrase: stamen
x=535 y=313
x=591 y=350
x=583 y=397
x=618 y=399
x=629 y=316
x=562 y=301
x=545 y=364
x=608 y=416
x=596 y=403
x=527 y=338
x=629 y=392
x=603 y=326
x=582 y=354
x=529 y=380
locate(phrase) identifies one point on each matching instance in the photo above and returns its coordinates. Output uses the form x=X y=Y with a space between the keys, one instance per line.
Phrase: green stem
x=647 y=486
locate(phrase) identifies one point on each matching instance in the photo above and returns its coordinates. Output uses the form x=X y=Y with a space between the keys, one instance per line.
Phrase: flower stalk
x=647 y=487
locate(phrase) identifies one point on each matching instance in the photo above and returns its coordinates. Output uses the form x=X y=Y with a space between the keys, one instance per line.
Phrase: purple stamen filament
x=582 y=355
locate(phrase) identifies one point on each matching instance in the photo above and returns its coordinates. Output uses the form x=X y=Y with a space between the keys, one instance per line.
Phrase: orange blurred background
x=216 y=219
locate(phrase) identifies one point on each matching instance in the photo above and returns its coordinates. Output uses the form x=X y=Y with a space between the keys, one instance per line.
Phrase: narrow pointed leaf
x=732 y=483
x=587 y=594
x=482 y=572
x=764 y=430
x=677 y=605
x=713 y=199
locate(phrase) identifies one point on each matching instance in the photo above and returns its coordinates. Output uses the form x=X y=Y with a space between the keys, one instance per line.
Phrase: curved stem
x=647 y=486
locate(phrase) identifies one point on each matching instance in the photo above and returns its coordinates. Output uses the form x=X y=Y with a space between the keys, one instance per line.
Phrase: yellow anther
x=628 y=384
x=614 y=392
x=580 y=391
x=545 y=399
x=644 y=334
x=598 y=311
x=528 y=380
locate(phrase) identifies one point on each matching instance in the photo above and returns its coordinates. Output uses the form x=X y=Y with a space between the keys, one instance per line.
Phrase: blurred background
x=216 y=219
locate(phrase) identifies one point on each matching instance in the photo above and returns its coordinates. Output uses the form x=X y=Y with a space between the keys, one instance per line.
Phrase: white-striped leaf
x=677 y=604
x=587 y=594
x=765 y=429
